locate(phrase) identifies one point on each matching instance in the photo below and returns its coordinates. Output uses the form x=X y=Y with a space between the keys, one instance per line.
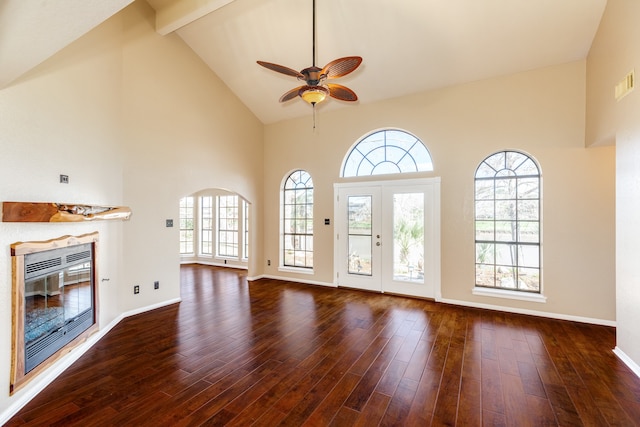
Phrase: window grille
x=507 y=222
x=387 y=152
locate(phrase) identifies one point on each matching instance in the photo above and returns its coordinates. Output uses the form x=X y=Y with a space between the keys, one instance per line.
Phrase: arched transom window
x=507 y=222
x=387 y=152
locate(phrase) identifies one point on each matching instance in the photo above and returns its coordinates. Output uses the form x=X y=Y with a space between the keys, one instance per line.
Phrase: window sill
x=296 y=270
x=504 y=293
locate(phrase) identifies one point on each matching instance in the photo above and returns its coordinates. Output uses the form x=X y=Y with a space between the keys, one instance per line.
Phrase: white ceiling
x=408 y=46
x=33 y=30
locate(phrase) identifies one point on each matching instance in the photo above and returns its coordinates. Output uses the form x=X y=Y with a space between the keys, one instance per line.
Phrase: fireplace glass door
x=58 y=303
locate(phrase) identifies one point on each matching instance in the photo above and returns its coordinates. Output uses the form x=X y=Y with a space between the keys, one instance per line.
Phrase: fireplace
x=54 y=301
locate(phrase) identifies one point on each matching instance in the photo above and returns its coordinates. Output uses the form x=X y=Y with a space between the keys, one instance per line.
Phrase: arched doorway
x=214 y=228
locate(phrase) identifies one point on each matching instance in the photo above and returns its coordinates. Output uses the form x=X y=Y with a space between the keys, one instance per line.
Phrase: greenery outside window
x=297 y=220
x=508 y=223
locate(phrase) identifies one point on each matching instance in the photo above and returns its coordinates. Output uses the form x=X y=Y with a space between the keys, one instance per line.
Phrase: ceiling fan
x=316 y=88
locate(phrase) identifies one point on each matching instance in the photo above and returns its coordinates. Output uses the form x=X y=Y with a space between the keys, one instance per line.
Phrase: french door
x=388 y=236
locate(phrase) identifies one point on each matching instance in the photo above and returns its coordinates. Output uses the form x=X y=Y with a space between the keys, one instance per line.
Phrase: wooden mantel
x=60 y=212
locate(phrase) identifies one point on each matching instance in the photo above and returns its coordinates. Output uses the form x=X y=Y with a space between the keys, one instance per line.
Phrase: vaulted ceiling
x=408 y=46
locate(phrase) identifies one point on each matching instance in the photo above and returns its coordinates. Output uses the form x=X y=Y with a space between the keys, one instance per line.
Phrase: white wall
x=134 y=119
x=137 y=119
x=541 y=112
x=613 y=54
x=184 y=131
x=63 y=118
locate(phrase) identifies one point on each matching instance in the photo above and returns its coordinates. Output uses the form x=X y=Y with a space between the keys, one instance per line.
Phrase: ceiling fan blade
x=291 y=94
x=281 y=69
x=341 y=66
x=341 y=92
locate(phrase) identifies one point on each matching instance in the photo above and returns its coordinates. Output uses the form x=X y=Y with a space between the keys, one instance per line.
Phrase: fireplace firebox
x=54 y=301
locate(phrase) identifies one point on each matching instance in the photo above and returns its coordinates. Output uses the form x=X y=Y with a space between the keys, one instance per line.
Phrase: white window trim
x=507 y=294
x=291 y=269
x=281 y=257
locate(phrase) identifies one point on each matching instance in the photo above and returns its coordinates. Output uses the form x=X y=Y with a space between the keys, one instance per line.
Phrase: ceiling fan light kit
x=316 y=89
x=314 y=94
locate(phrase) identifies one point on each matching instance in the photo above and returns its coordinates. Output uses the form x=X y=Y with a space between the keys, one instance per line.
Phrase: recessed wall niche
x=54 y=301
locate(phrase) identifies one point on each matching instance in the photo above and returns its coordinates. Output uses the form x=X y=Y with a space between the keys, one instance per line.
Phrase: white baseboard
x=538 y=313
x=627 y=361
x=42 y=381
x=149 y=307
x=289 y=279
x=215 y=264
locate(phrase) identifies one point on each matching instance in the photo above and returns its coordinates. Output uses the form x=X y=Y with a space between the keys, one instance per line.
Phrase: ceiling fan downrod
x=313 y=35
x=316 y=89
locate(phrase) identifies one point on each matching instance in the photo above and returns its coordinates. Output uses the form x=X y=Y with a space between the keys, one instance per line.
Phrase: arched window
x=387 y=152
x=297 y=220
x=507 y=222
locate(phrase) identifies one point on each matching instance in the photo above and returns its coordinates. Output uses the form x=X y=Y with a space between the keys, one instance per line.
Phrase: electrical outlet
x=156 y=285
x=225 y=261
x=136 y=289
x=268 y=262
x=64 y=179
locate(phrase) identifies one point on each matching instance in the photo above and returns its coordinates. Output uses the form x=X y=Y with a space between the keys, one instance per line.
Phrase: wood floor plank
x=472 y=361
x=449 y=393
x=469 y=403
x=373 y=411
x=345 y=418
x=424 y=402
x=371 y=377
x=541 y=413
x=585 y=406
x=492 y=395
x=418 y=360
x=562 y=405
x=329 y=407
x=270 y=352
x=256 y=410
x=514 y=400
x=531 y=381
x=400 y=403
x=311 y=400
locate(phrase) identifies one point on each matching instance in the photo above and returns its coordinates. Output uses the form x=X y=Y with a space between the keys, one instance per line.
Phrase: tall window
x=186 y=225
x=507 y=222
x=206 y=225
x=245 y=211
x=228 y=225
x=387 y=152
x=297 y=220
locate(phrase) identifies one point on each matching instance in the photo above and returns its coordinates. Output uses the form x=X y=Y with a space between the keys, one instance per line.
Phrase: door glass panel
x=360 y=235
x=408 y=237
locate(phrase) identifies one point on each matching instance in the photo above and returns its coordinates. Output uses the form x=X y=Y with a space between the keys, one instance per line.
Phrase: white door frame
x=432 y=245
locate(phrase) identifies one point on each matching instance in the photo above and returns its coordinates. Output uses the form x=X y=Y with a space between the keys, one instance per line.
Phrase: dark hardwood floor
x=273 y=353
